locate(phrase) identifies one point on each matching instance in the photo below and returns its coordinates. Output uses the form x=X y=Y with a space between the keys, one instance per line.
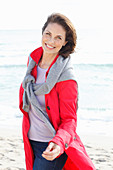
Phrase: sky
x=94 y=17
x=30 y=14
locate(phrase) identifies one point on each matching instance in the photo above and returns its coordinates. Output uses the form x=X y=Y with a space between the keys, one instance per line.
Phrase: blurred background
x=21 y=22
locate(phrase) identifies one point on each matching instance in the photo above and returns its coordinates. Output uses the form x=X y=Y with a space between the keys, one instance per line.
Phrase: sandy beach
x=11 y=150
x=99 y=148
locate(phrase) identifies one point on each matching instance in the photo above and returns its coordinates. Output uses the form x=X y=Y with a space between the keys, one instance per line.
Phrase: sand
x=99 y=148
x=11 y=150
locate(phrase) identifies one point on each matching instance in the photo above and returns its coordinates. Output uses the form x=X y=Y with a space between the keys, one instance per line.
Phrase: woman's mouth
x=49 y=46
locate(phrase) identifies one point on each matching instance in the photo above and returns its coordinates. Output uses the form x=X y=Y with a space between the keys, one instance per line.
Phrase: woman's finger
x=50 y=157
x=52 y=149
x=51 y=152
x=49 y=147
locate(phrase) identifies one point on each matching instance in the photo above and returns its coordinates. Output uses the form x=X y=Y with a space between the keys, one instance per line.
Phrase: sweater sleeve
x=68 y=97
x=21 y=91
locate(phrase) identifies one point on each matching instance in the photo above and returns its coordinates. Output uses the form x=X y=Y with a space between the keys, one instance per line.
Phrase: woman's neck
x=46 y=60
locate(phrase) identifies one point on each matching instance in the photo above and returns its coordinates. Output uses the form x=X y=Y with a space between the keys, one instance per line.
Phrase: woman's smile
x=49 y=46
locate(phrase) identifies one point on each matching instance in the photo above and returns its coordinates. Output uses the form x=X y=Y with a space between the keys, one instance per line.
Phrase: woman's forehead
x=56 y=28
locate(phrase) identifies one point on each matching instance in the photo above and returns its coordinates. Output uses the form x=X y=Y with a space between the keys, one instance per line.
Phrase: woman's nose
x=52 y=40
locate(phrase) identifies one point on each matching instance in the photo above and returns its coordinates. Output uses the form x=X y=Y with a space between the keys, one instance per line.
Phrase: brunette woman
x=48 y=101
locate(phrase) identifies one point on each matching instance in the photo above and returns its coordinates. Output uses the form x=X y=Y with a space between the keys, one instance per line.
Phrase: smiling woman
x=53 y=39
x=68 y=35
x=48 y=101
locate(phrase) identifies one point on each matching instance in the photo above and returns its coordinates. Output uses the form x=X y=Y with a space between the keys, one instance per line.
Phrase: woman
x=48 y=101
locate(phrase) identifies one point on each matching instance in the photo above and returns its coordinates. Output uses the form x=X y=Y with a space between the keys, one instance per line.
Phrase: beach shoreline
x=99 y=148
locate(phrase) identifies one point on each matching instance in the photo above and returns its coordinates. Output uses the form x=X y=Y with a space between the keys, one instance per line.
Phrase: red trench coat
x=61 y=107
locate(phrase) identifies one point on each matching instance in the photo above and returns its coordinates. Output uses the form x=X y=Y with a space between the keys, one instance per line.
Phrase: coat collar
x=37 y=54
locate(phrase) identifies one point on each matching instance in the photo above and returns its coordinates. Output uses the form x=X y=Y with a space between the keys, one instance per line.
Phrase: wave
x=96 y=65
x=21 y=61
x=11 y=61
x=13 y=66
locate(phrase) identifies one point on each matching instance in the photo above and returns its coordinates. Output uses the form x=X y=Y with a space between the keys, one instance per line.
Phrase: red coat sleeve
x=68 y=97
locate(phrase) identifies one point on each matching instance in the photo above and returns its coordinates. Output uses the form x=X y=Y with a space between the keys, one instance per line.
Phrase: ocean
x=95 y=83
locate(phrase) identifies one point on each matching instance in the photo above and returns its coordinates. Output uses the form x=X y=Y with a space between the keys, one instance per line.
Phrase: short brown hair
x=71 y=36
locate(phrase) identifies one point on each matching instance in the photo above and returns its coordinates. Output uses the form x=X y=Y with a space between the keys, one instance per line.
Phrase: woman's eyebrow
x=59 y=35
x=56 y=35
x=48 y=31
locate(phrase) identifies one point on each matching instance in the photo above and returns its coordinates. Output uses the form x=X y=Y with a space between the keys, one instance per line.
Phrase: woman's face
x=53 y=38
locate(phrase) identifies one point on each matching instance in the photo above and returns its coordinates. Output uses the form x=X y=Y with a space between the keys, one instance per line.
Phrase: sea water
x=95 y=84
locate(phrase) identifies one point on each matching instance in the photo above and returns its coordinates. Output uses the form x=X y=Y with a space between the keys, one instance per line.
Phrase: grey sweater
x=61 y=70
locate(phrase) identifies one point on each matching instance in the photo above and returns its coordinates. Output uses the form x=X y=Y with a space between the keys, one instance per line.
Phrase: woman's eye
x=47 y=33
x=59 y=38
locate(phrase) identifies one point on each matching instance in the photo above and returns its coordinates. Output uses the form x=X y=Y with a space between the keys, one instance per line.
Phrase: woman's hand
x=51 y=152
